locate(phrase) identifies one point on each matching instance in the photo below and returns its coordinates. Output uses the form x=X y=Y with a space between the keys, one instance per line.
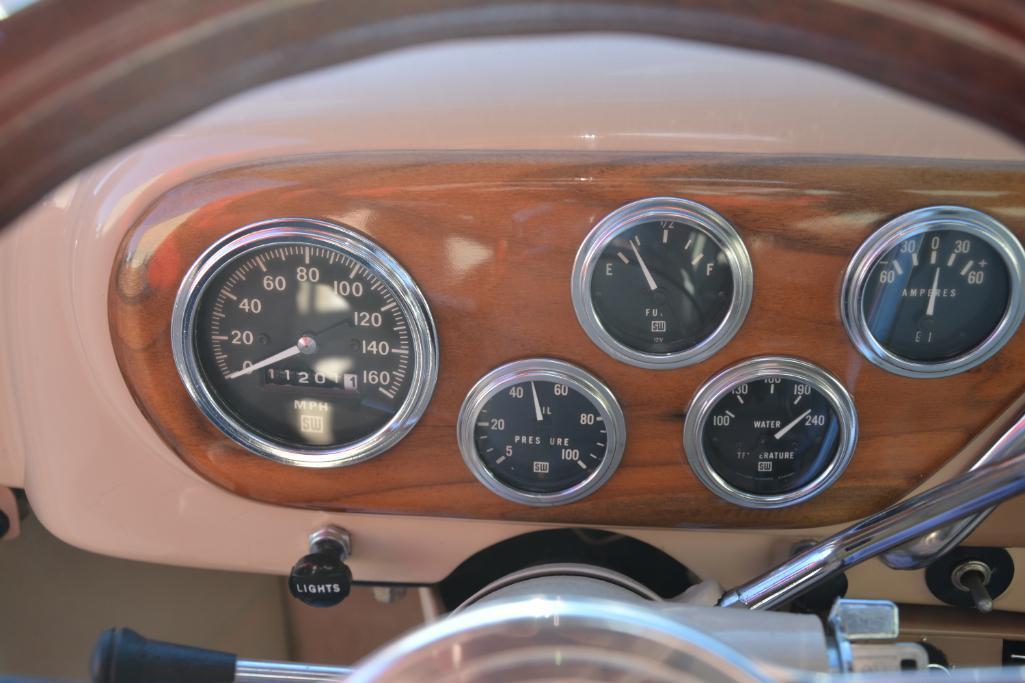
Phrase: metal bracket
x=334 y=535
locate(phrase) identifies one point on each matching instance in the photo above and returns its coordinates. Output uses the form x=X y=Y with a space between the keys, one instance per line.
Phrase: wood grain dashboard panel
x=491 y=239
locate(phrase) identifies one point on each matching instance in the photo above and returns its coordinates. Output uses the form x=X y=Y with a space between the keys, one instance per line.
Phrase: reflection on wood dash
x=491 y=240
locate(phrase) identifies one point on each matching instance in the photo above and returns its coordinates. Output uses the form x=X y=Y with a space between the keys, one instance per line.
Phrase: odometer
x=935 y=291
x=541 y=432
x=305 y=343
x=770 y=432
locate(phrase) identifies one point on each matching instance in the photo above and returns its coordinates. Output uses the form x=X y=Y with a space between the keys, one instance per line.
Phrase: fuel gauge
x=662 y=283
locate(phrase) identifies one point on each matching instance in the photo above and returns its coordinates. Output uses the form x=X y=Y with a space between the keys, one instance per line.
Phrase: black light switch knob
x=321 y=578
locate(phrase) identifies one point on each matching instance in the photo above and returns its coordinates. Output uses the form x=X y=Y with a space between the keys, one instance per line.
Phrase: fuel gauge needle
x=537 y=404
x=783 y=432
x=644 y=268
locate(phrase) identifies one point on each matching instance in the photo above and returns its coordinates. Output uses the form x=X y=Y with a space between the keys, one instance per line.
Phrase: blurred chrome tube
x=905 y=521
x=257 y=671
x=922 y=551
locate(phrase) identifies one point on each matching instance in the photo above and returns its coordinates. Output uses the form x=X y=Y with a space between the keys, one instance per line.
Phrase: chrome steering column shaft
x=968 y=494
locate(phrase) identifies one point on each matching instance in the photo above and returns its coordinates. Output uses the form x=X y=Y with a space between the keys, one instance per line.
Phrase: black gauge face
x=540 y=436
x=771 y=435
x=936 y=296
x=661 y=287
x=304 y=345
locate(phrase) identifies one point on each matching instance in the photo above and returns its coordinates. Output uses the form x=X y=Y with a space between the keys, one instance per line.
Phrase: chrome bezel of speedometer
x=708 y=396
x=423 y=343
x=907 y=226
x=672 y=210
x=548 y=370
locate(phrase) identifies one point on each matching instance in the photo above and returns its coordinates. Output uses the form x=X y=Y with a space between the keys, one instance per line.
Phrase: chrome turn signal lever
x=966 y=495
x=923 y=551
x=123 y=656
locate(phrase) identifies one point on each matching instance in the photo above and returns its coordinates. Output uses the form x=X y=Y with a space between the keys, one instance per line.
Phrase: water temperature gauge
x=770 y=432
x=541 y=432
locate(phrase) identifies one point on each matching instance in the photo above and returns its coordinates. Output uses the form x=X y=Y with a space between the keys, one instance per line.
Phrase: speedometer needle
x=644 y=268
x=305 y=345
x=537 y=404
x=783 y=432
x=932 y=293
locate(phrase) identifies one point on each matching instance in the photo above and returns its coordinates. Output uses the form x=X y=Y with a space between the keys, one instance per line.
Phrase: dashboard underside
x=491 y=240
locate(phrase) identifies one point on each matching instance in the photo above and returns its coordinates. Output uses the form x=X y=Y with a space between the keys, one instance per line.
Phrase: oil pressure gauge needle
x=305 y=345
x=537 y=404
x=644 y=268
x=783 y=432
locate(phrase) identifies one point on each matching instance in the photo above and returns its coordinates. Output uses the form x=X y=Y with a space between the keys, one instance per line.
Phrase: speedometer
x=305 y=343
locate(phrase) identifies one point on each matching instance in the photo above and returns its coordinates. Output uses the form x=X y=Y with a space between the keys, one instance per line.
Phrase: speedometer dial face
x=934 y=292
x=770 y=432
x=662 y=283
x=306 y=343
x=541 y=432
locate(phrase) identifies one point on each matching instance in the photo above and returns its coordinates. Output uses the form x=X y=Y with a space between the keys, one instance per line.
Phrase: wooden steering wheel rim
x=81 y=80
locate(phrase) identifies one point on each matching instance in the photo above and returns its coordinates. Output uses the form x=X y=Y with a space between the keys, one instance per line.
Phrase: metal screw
x=388 y=594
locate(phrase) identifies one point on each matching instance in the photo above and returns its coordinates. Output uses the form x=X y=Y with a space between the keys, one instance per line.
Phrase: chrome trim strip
x=902 y=522
x=762 y=367
x=678 y=210
x=909 y=225
x=560 y=570
x=263 y=671
x=423 y=336
x=550 y=635
x=548 y=370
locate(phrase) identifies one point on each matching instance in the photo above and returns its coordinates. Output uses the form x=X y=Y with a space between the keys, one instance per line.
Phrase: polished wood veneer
x=491 y=240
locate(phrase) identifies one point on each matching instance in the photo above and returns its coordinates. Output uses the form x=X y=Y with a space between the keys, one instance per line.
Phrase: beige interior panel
x=99 y=476
x=56 y=600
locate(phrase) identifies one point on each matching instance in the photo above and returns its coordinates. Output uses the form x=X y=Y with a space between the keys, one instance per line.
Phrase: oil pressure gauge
x=770 y=432
x=662 y=283
x=934 y=292
x=541 y=432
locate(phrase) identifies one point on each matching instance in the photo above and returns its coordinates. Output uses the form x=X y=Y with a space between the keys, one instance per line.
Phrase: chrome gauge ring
x=662 y=283
x=305 y=343
x=934 y=292
x=770 y=432
x=541 y=432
